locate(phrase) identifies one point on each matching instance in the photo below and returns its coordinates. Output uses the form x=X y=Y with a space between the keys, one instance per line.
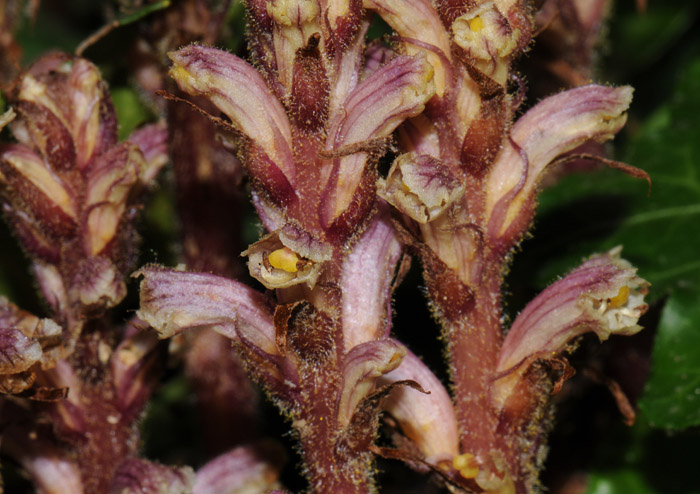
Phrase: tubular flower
x=603 y=295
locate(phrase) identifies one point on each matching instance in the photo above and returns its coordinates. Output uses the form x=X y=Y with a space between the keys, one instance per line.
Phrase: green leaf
x=657 y=30
x=672 y=395
x=587 y=213
x=130 y=112
x=619 y=482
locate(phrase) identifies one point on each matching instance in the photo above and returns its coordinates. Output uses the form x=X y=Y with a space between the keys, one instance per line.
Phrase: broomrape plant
x=309 y=120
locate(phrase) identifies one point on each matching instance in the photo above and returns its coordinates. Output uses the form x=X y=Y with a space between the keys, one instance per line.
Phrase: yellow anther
x=476 y=24
x=284 y=259
x=621 y=298
x=467 y=465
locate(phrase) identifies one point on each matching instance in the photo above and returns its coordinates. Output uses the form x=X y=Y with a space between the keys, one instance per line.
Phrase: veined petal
x=134 y=365
x=366 y=283
x=362 y=366
x=604 y=295
x=427 y=419
x=17 y=352
x=252 y=469
x=556 y=125
x=420 y=186
x=238 y=90
x=137 y=476
x=486 y=35
x=152 y=140
x=173 y=301
x=111 y=179
x=397 y=91
x=26 y=339
x=417 y=20
x=295 y=21
x=72 y=89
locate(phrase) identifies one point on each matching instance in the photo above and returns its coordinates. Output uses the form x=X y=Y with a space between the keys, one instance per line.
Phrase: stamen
x=476 y=24
x=467 y=465
x=621 y=298
x=284 y=259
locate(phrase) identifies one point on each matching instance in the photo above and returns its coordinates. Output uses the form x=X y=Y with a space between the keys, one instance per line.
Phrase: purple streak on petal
x=418 y=19
x=137 y=476
x=152 y=140
x=428 y=419
x=238 y=90
x=135 y=369
x=366 y=283
x=17 y=352
x=604 y=295
x=253 y=468
x=362 y=366
x=173 y=301
x=395 y=92
x=556 y=125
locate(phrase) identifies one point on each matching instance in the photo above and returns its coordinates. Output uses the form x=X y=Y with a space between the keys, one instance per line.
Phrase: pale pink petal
x=367 y=275
x=427 y=419
x=238 y=90
x=556 y=125
x=604 y=295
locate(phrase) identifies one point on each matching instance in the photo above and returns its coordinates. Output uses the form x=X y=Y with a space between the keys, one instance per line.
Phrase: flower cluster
x=309 y=123
x=311 y=119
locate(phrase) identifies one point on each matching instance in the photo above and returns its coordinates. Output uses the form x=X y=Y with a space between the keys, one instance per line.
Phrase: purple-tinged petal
x=134 y=365
x=97 y=282
x=556 y=125
x=174 y=301
x=253 y=469
x=152 y=140
x=295 y=21
x=397 y=91
x=17 y=352
x=485 y=34
x=427 y=419
x=276 y=264
x=26 y=339
x=72 y=90
x=347 y=73
x=137 y=476
x=111 y=179
x=240 y=92
x=51 y=285
x=418 y=21
x=87 y=92
x=420 y=186
x=362 y=366
x=51 y=470
x=366 y=279
x=604 y=295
